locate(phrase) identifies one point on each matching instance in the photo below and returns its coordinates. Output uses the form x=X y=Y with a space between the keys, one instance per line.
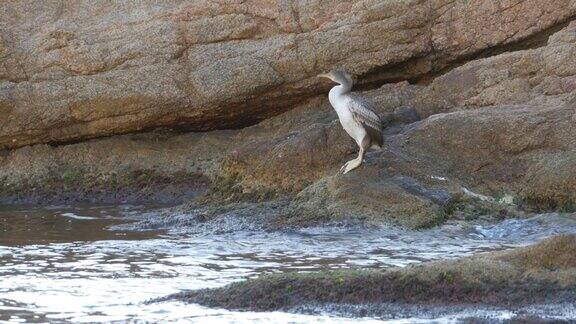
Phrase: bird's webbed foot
x=350 y=165
x=343 y=168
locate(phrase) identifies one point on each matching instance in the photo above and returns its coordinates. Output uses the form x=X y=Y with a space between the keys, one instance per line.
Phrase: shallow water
x=66 y=264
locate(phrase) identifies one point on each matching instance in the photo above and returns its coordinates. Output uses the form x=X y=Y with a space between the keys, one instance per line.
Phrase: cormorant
x=356 y=115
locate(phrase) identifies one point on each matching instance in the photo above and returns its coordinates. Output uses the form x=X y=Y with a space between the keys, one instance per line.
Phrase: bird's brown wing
x=363 y=113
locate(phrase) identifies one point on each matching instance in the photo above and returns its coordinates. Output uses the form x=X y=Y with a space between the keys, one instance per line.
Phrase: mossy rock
x=545 y=272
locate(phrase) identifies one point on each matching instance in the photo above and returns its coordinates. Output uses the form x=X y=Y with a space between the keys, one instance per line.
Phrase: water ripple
x=80 y=271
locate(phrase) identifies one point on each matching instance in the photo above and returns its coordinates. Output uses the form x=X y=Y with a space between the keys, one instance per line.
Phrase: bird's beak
x=323 y=75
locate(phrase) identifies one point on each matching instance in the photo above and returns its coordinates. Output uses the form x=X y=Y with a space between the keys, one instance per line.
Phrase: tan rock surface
x=73 y=70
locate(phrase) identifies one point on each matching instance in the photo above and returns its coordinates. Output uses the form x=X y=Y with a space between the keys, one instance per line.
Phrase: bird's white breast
x=341 y=103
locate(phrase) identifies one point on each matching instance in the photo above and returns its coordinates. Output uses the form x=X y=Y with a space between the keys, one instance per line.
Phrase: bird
x=356 y=115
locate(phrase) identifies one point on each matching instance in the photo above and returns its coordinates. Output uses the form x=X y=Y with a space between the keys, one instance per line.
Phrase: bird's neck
x=343 y=88
x=336 y=97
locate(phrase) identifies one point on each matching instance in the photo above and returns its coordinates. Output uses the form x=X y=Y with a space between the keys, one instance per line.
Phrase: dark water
x=64 y=264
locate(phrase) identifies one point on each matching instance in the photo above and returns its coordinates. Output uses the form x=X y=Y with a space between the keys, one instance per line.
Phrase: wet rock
x=247 y=217
x=525 y=150
x=146 y=168
x=370 y=197
x=74 y=72
x=543 y=273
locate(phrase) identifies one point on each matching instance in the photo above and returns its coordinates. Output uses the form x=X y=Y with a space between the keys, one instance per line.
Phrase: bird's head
x=338 y=76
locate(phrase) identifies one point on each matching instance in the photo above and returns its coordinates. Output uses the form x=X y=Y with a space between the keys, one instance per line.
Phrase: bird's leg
x=353 y=164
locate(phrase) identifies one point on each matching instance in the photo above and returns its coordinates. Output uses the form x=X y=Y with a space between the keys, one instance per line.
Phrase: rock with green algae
x=542 y=273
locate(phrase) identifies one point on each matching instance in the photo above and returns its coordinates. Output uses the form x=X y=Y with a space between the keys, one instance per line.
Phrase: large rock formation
x=74 y=70
x=490 y=136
